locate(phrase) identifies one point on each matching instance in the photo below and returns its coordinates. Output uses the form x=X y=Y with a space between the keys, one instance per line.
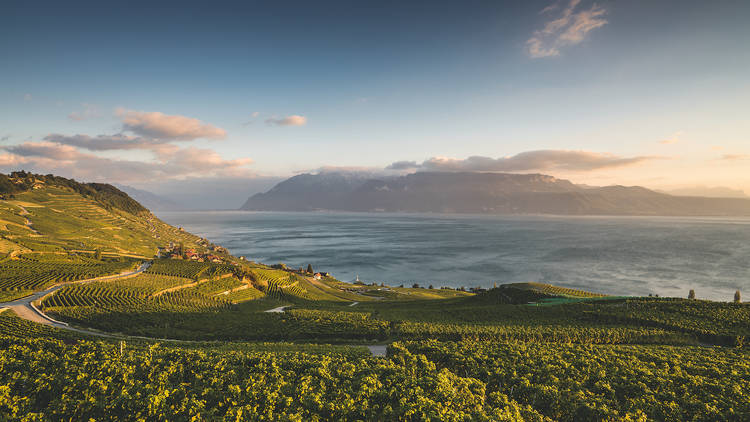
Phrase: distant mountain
x=709 y=192
x=150 y=200
x=490 y=193
x=308 y=192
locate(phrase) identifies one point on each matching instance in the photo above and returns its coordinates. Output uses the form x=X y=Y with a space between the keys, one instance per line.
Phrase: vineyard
x=549 y=289
x=73 y=301
x=188 y=269
x=422 y=380
x=18 y=277
x=593 y=383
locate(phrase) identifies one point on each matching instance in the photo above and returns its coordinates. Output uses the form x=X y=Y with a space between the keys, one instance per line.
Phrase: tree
x=415 y=286
x=691 y=295
x=309 y=268
x=737 y=298
x=430 y=287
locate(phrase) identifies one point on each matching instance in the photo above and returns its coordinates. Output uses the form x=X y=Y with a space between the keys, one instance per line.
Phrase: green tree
x=309 y=268
x=737 y=297
x=691 y=295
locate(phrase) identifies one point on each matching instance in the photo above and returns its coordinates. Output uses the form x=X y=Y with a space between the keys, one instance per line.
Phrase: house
x=317 y=276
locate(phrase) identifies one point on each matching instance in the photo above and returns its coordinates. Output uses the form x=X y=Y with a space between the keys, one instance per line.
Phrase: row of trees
x=737 y=296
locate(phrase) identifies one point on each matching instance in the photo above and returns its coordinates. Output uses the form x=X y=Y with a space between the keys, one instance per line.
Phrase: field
x=192 y=340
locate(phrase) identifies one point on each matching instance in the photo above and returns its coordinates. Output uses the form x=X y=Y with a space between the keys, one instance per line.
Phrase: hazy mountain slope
x=709 y=192
x=150 y=200
x=306 y=192
x=497 y=193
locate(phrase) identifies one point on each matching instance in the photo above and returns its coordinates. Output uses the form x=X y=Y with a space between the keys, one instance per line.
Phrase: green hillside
x=197 y=334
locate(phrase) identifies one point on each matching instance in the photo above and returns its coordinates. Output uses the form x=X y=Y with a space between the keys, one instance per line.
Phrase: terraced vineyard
x=19 y=277
x=13 y=326
x=193 y=270
x=151 y=283
x=555 y=290
x=61 y=215
x=107 y=297
x=249 y=293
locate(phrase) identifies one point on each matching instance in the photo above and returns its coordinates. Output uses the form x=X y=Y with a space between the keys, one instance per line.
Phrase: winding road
x=25 y=308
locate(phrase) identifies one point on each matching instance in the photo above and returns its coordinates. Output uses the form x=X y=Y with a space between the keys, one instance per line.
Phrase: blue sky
x=643 y=92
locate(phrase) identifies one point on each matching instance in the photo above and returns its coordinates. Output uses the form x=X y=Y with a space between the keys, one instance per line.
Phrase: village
x=178 y=251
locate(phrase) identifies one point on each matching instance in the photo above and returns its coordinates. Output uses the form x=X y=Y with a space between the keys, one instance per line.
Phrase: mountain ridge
x=484 y=193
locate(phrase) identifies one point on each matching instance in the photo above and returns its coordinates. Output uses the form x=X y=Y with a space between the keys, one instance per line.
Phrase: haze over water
x=614 y=255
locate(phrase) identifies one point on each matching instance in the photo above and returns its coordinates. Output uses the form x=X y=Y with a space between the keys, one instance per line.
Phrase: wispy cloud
x=89 y=111
x=162 y=126
x=27 y=97
x=735 y=157
x=542 y=160
x=154 y=132
x=568 y=25
x=675 y=138
x=180 y=163
x=254 y=115
x=106 y=142
x=293 y=120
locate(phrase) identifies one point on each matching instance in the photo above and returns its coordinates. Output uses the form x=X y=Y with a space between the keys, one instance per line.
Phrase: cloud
x=735 y=157
x=343 y=169
x=174 y=164
x=162 y=126
x=4 y=138
x=44 y=149
x=89 y=111
x=403 y=165
x=543 y=160
x=566 y=28
x=293 y=120
x=254 y=115
x=675 y=138
x=27 y=97
x=106 y=142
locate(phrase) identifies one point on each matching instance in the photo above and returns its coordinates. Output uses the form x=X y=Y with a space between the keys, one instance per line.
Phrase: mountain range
x=486 y=193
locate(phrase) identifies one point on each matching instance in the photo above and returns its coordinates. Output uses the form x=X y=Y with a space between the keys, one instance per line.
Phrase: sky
x=188 y=95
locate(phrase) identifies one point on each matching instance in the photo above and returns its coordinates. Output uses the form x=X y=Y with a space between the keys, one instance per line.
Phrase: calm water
x=620 y=255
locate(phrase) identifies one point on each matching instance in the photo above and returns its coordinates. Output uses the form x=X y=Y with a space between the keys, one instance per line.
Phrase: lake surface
x=614 y=255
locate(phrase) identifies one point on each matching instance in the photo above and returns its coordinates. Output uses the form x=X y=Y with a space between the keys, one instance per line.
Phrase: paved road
x=278 y=310
x=25 y=309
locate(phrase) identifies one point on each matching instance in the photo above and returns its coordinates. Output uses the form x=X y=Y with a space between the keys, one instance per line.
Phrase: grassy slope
x=57 y=219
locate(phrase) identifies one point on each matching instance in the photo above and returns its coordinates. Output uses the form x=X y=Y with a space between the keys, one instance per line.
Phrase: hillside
x=203 y=335
x=50 y=214
x=489 y=193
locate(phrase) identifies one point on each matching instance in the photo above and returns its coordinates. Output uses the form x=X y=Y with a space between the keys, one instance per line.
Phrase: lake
x=614 y=255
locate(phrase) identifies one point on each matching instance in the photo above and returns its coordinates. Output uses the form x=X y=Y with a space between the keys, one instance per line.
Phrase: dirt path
x=24 y=212
x=378 y=349
x=278 y=310
x=175 y=288
x=236 y=289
